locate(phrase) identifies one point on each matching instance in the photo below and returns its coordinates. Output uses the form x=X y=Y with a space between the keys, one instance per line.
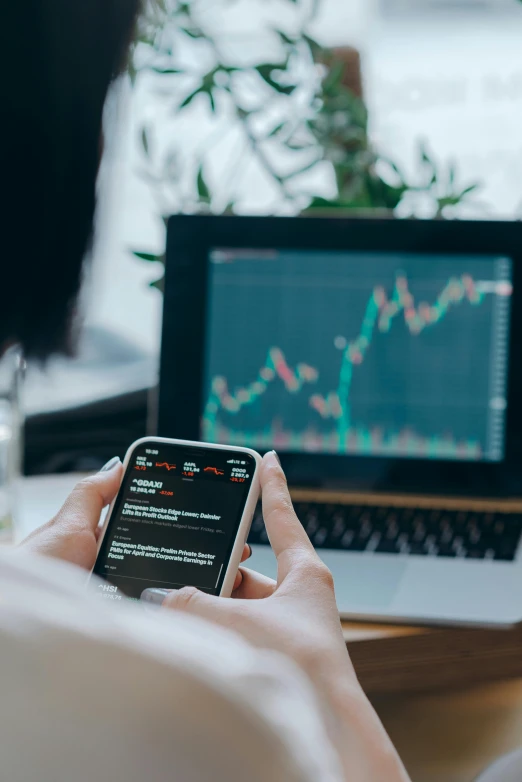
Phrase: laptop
x=382 y=360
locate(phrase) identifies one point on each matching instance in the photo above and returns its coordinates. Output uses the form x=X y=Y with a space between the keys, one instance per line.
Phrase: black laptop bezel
x=180 y=404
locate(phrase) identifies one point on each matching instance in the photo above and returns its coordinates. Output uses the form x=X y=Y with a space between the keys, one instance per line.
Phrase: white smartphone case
x=248 y=511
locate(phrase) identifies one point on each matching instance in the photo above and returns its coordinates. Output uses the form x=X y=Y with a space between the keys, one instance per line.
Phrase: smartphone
x=181 y=518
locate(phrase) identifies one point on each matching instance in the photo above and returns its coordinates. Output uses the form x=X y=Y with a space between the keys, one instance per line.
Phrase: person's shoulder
x=157 y=685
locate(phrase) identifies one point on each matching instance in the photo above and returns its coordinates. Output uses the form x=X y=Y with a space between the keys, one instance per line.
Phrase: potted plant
x=296 y=115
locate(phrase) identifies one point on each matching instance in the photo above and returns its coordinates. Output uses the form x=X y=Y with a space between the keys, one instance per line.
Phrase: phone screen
x=175 y=520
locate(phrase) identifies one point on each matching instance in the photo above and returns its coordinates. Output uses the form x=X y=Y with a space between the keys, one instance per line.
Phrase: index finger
x=285 y=531
x=82 y=508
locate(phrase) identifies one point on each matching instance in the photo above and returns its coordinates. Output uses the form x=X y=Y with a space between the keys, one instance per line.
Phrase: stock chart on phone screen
x=363 y=354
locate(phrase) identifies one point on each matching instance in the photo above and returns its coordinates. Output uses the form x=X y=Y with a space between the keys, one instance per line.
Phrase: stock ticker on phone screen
x=175 y=520
x=364 y=354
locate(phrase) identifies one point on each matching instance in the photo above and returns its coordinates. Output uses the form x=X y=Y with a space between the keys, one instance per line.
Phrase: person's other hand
x=72 y=535
x=297 y=615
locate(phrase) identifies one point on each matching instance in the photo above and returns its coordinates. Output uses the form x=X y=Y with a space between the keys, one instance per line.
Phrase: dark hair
x=60 y=57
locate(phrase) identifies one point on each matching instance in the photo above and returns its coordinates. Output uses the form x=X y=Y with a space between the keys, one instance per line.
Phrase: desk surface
x=446 y=735
x=453 y=736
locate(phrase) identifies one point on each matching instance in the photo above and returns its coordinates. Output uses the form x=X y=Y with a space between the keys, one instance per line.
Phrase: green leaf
x=276 y=130
x=145 y=141
x=209 y=79
x=266 y=72
x=188 y=100
x=164 y=71
x=299 y=146
x=158 y=284
x=324 y=203
x=429 y=163
x=398 y=173
x=285 y=38
x=424 y=154
x=448 y=201
x=192 y=32
x=203 y=189
x=149 y=257
x=243 y=114
x=133 y=73
x=333 y=80
x=469 y=189
x=316 y=49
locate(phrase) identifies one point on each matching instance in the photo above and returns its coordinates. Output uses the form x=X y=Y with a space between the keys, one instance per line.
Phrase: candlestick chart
x=398 y=367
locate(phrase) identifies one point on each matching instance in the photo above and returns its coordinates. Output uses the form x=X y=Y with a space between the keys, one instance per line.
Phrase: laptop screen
x=355 y=353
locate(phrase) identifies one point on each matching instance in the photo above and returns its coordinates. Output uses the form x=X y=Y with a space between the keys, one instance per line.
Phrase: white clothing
x=97 y=692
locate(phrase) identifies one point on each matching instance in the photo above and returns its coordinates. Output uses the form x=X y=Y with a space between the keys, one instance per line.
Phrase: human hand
x=72 y=535
x=297 y=615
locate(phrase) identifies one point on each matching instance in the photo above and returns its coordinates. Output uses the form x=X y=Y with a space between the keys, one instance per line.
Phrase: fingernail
x=156 y=596
x=276 y=456
x=111 y=464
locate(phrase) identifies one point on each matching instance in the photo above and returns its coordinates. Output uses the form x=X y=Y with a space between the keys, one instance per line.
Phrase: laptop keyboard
x=407 y=530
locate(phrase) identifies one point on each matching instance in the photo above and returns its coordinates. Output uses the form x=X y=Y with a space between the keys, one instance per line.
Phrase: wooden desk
x=399 y=660
x=453 y=736
x=450 y=699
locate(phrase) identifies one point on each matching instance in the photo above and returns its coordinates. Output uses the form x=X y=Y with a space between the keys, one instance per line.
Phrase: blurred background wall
x=444 y=73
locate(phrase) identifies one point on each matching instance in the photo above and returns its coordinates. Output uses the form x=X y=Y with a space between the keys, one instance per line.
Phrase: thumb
x=188 y=600
x=83 y=507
